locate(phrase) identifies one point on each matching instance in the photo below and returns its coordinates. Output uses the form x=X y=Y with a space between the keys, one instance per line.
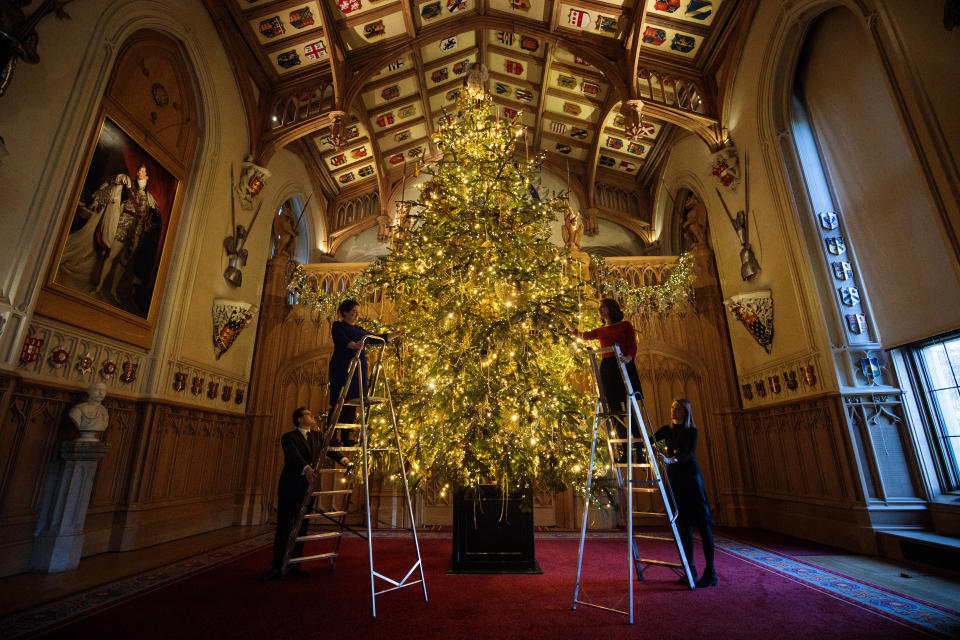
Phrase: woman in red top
x=615 y=330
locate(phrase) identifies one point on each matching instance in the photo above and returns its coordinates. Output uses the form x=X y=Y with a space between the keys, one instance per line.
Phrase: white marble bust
x=91 y=416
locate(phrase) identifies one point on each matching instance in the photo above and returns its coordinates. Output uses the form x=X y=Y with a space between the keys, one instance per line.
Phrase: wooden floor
x=28 y=590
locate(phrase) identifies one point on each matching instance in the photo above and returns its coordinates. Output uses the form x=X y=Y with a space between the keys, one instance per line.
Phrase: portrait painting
x=118 y=229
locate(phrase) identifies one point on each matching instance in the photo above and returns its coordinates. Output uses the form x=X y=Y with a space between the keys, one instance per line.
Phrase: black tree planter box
x=483 y=542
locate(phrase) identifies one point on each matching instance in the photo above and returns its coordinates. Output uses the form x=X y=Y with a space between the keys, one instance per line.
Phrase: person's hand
x=626 y=359
x=665 y=460
x=310 y=474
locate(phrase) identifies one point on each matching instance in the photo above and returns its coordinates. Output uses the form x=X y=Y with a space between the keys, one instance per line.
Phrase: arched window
x=881 y=265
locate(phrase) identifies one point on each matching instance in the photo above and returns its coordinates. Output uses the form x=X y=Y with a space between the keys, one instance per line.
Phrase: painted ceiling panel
x=601 y=23
x=392 y=92
x=353 y=8
x=569 y=58
x=443 y=99
x=517 y=67
x=397 y=65
x=405 y=112
x=587 y=111
x=353 y=132
x=451 y=71
x=527 y=45
x=392 y=140
x=448 y=46
x=286 y=23
x=365 y=34
x=671 y=41
x=563 y=129
x=577 y=85
x=411 y=155
x=352 y=175
x=301 y=56
x=434 y=12
x=515 y=92
x=693 y=11
x=563 y=148
x=529 y=9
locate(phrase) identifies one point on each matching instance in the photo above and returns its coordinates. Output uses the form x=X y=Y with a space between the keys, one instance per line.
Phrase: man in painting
x=129 y=210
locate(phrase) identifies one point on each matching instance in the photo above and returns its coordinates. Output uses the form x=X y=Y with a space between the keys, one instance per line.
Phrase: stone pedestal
x=58 y=540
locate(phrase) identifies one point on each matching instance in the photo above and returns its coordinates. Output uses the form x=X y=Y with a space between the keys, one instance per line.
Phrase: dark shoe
x=709 y=579
x=683 y=579
x=272 y=575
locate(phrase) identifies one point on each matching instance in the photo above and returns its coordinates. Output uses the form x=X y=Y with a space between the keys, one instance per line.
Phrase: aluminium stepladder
x=608 y=418
x=326 y=502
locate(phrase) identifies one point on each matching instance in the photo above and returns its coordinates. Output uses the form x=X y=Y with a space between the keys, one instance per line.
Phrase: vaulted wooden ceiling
x=394 y=67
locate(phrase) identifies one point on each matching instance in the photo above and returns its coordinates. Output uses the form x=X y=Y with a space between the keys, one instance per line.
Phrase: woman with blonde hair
x=680 y=440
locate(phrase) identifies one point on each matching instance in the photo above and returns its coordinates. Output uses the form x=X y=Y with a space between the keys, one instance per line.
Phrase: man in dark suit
x=300 y=449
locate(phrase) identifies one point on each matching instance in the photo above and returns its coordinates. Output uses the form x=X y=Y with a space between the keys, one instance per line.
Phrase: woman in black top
x=348 y=338
x=683 y=472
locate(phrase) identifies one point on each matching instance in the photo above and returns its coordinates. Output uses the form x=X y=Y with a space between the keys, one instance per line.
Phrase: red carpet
x=229 y=602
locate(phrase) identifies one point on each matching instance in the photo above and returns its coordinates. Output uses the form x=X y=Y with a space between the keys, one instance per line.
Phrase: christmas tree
x=487 y=390
x=490 y=386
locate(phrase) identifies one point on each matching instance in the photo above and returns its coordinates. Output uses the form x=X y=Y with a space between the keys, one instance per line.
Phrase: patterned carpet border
x=901 y=607
x=32 y=621
x=40 y=618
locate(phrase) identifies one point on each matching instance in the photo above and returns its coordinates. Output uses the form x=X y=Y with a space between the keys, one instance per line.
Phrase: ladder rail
x=378 y=375
x=608 y=418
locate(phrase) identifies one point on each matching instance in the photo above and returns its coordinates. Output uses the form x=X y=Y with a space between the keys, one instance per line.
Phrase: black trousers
x=614 y=391
x=288 y=508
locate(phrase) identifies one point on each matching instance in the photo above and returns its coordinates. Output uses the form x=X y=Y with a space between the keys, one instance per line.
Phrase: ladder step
x=343 y=448
x=656 y=481
x=659 y=514
x=333 y=469
x=355 y=402
x=324 y=514
x=661 y=563
x=647 y=536
x=642 y=465
x=318 y=536
x=319 y=556
x=646 y=489
x=346 y=425
x=332 y=492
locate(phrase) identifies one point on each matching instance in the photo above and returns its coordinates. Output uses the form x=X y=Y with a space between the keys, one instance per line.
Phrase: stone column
x=59 y=537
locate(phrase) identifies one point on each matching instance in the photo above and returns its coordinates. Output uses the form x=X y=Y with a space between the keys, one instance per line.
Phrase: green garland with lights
x=487 y=376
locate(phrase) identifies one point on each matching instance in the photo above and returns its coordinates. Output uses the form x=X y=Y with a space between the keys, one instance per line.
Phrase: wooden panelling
x=170 y=471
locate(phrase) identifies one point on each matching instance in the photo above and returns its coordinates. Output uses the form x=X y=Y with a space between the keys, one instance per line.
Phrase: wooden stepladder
x=327 y=501
x=612 y=422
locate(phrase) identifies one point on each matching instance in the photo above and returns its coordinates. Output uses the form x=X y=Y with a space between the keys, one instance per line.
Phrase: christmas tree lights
x=487 y=380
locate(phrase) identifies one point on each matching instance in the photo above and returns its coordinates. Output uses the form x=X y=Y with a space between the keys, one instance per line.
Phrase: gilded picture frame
x=108 y=272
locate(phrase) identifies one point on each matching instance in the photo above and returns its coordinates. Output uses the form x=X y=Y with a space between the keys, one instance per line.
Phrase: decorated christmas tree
x=487 y=391
x=486 y=379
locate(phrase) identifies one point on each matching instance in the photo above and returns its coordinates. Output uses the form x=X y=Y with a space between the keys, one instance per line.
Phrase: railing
x=665 y=89
x=637 y=270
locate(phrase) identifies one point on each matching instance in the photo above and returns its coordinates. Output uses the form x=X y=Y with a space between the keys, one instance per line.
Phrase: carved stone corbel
x=632 y=111
x=338 y=129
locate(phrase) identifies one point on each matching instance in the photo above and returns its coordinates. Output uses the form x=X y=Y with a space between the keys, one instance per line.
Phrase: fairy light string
x=488 y=386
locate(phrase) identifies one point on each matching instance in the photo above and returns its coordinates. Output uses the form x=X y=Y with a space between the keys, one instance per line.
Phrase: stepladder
x=323 y=518
x=636 y=470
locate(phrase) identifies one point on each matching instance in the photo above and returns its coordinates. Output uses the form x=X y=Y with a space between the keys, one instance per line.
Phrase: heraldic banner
x=755 y=311
x=230 y=317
